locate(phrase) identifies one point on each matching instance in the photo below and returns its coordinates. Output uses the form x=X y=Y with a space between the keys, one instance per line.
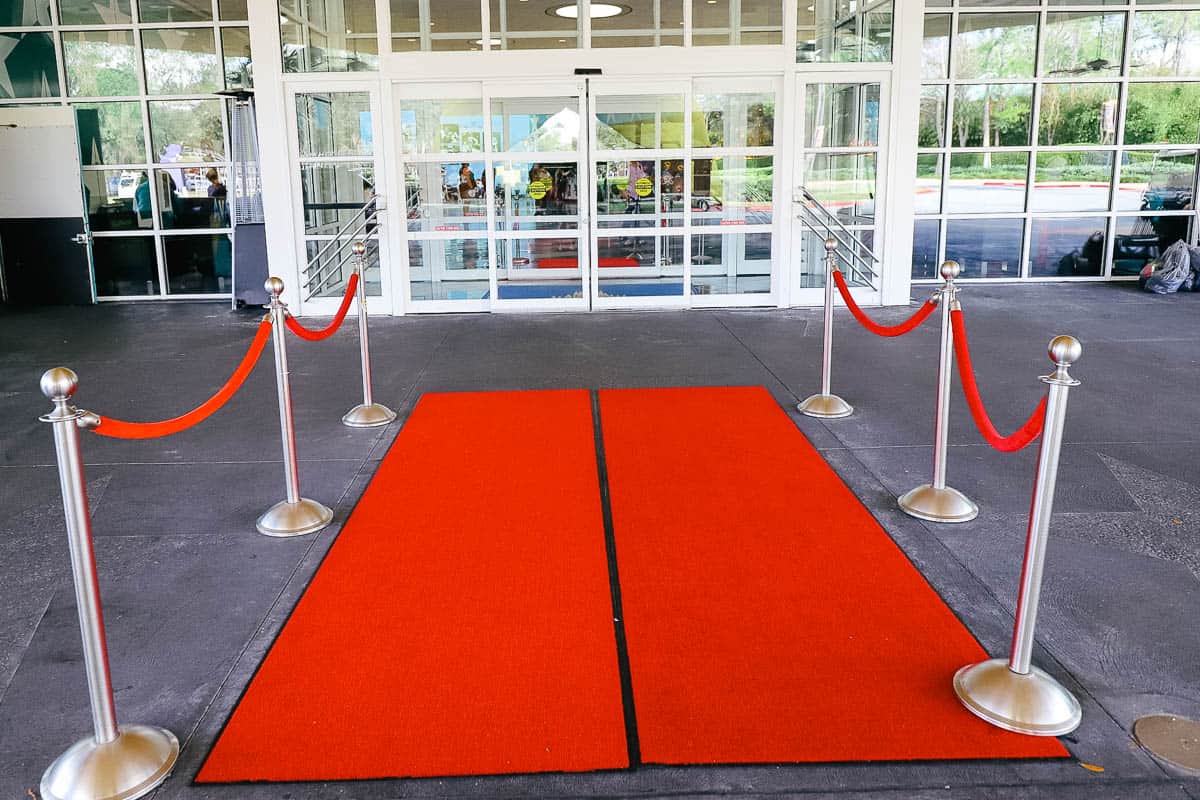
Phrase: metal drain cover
x=1175 y=740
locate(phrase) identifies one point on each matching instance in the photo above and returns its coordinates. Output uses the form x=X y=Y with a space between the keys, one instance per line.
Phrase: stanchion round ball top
x=831 y=244
x=273 y=285
x=951 y=270
x=1065 y=350
x=359 y=248
x=59 y=382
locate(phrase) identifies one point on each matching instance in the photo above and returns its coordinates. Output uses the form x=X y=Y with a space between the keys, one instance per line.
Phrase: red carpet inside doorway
x=558 y=581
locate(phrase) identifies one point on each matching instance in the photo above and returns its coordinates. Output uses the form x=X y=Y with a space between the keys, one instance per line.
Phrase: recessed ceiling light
x=595 y=10
x=493 y=42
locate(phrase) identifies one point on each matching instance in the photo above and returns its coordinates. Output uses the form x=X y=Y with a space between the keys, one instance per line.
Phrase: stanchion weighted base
x=134 y=764
x=1175 y=740
x=294 y=519
x=372 y=416
x=938 y=505
x=1034 y=704
x=825 y=406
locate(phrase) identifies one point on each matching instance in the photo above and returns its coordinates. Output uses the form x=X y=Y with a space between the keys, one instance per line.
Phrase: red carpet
x=462 y=622
x=769 y=617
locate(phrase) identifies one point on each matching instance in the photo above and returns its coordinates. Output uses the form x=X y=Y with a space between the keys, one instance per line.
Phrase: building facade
x=557 y=155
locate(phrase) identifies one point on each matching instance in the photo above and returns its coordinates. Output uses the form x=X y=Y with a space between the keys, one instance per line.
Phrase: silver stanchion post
x=369 y=414
x=296 y=515
x=1012 y=693
x=124 y=761
x=826 y=404
x=936 y=501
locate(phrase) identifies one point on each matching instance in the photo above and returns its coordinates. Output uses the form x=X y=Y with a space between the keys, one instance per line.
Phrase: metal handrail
x=866 y=273
x=373 y=211
x=362 y=226
x=851 y=246
x=328 y=279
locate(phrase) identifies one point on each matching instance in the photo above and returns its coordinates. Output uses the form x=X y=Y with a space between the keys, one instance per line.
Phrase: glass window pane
x=845 y=184
x=181 y=61
x=174 y=10
x=995 y=46
x=231 y=9
x=235 y=50
x=536 y=195
x=539 y=269
x=1078 y=113
x=88 y=12
x=1162 y=180
x=518 y=25
x=858 y=32
x=648 y=23
x=639 y=121
x=199 y=264
x=448 y=269
x=454 y=26
x=125 y=266
x=30 y=65
x=334 y=124
x=441 y=126
x=761 y=22
x=329 y=36
x=842 y=114
x=986 y=248
x=642 y=194
x=984 y=183
x=110 y=133
x=334 y=194
x=1163 y=112
x=450 y=196
x=733 y=120
x=192 y=197
x=336 y=264
x=928 y=198
x=731 y=263
x=641 y=266
x=734 y=190
x=1079 y=180
x=926 y=234
x=932 y=127
x=992 y=115
x=1067 y=248
x=187 y=130
x=100 y=63
x=24 y=13
x=935 y=47
x=1139 y=240
x=1084 y=43
x=1165 y=43
x=536 y=124
x=111 y=197
x=406 y=16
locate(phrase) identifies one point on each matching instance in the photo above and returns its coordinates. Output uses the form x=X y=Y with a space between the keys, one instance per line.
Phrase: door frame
x=382 y=304
x=814 y=296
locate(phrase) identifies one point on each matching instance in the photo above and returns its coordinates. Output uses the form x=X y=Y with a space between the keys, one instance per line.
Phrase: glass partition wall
x=141 y=77
x=1057 y=141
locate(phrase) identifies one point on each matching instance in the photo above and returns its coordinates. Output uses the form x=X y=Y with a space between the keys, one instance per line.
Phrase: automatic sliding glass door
x=540 y=251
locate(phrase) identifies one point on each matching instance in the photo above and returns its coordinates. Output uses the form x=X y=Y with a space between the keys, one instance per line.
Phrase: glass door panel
x=839 y=164
x=540 y=254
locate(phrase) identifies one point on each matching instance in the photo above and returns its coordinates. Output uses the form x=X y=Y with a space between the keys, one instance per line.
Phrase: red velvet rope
x=1005 y=444
x=118 y=429
x=882 y=330
x=315 y=336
